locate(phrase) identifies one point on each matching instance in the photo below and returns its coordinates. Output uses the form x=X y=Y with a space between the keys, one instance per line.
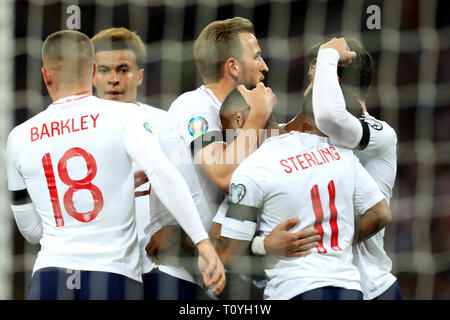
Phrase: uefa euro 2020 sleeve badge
x=197 y=126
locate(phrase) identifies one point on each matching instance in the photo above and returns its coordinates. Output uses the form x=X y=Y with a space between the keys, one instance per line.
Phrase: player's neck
x=63 y=92
x=221 y=89
x=273 y=130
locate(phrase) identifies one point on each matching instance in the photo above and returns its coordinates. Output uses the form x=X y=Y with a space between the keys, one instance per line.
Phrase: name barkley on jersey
x=58 y=128
x=310 y=159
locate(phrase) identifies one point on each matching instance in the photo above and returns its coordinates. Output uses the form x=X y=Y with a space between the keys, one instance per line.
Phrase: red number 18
x=74 y=185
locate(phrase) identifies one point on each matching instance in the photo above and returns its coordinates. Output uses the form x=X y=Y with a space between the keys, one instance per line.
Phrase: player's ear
x=307 y=127
x=237 y=119
x=140 y=76
x=46 y=75
x=232 y=67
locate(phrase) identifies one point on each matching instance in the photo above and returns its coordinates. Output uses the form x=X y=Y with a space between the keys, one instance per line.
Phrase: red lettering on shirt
x=34 y=134
x=44 y=131
x=83 y=122
x=301 y=162
x=284 y=165
x=336 y=154
x=95 y=120
x=55 y=126
x=309 y=158
x=66 y=126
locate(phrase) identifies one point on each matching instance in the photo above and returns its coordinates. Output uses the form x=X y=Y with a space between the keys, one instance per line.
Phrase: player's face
x=253 y=65
x=118 y=75
x=311 y=74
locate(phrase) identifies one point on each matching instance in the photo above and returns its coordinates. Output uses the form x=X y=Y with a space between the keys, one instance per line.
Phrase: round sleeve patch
x=373 y=123
x=147 y=127
x=197 y=126
x=237 y=192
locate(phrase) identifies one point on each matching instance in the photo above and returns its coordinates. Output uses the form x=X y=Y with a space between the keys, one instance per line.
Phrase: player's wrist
x=258 y=248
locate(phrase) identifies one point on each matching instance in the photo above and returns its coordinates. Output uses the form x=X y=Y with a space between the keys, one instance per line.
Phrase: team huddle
x=212 y=199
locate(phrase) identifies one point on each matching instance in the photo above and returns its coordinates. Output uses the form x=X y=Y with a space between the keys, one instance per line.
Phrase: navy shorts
x=66 y=284
x=392 y=293
x=162 y=286
x=330 y=293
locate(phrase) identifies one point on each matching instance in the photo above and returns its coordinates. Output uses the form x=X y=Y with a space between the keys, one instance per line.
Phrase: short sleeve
x=367 y=194
x=138 y=136
x=197 y=122
x=245 y=202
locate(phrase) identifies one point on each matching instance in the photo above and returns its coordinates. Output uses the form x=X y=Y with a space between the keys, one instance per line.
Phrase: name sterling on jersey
x=58 y=128
x=310 y=159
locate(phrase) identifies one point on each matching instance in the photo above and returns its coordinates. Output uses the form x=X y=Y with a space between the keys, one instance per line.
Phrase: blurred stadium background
x=411 y=91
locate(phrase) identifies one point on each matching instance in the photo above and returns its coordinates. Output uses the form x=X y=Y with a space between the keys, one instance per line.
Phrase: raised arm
x=329 y=105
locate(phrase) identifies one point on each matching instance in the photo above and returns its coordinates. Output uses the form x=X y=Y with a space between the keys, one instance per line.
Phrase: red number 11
x=318 y=212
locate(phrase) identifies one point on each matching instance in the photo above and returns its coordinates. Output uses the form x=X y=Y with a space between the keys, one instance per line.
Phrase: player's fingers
x=242 y=89
x=300 y=254
x=352 y=54
x=151 y=248
x=288 y=224
x=206 y=279
x=260 y=85
x=138 y=194
x=304 y=234
x=220 y=284
x=306 y=247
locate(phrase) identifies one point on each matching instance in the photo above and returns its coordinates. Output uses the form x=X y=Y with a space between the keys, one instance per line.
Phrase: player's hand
x=160 y=241
x=260 y=99
x=139 y=179
x=290 y=244
x=340 y=45
x=211 y=267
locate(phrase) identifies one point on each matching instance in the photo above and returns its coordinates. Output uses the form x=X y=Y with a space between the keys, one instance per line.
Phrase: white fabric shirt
x=191 y=115
x=379 y=158
x=302 y=175
x=156 y=120
x=75 y=160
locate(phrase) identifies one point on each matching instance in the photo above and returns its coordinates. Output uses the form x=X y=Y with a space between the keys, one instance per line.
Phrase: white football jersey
x=302 y=175
x=379 y=158
x=75 y=159
x=375 y=145
x=193 y=114
x=156 y=120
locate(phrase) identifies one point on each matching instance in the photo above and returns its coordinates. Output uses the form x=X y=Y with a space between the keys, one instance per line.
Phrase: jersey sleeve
x=221 y=212
x=245 y=202
x=381 y=137
x=27 y=218
x=367 y=194
x=15 y=179
x=168 y=184
x=329 y=106
x=200 y=126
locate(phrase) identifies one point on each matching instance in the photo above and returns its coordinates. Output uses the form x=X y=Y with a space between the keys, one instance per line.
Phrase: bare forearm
x=375 y=219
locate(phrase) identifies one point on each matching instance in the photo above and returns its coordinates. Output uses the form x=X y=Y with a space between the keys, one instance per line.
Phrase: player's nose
x=263 y=68
x=113 y=78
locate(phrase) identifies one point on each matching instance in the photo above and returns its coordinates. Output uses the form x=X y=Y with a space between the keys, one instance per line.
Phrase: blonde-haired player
x=69 y=170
